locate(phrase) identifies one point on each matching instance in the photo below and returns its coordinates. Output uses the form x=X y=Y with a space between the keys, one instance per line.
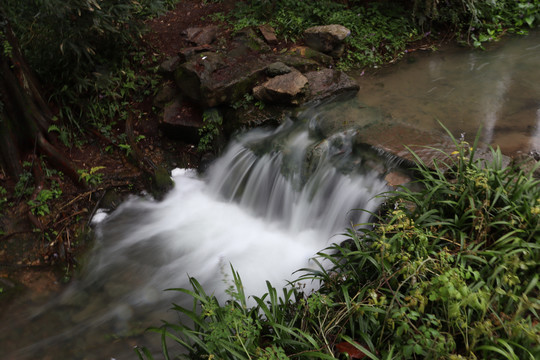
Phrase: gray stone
x=187 y=53
x=201 y=35
x=328 y=82
x=169 y=65
x=167 y=93
x=397 y=178
x=277 y=68
x=327 y=38
x=298 y=62
x=248 y=41
x=268 y=33
x=212 y=79
x=287 y=89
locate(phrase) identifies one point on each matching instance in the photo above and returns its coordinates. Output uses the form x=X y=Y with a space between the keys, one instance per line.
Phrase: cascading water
x=265 y=214
x=269 y=204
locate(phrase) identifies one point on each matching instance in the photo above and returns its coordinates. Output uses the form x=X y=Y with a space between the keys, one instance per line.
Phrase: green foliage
x=91 y=177
x=212 y=121
x=24 y=186
x=478 y=21
x=379 y=31
x=446 y=272
x=248 y=100
x=451 y=269
x=40 y=205
x=80 y=50
x=235 y=331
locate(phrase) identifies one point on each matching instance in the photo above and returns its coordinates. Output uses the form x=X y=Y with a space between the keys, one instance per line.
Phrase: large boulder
x=169 y=66
x=329 y=82
x=327 y=38
x=167 y=93
x=287 y=89
x=212 y=79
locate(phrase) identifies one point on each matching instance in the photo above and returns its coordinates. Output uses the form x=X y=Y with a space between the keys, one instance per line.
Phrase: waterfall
x=273 y=200
x=269 y=204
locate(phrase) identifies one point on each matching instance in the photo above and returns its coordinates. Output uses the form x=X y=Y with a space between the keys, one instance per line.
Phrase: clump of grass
x=447 y=272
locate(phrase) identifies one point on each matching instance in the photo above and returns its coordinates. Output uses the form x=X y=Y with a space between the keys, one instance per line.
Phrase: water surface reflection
x=498 y=90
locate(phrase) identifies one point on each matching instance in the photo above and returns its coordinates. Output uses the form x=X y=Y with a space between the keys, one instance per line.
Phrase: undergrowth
x=447 y=272
x=379 y=32
x=382 y=30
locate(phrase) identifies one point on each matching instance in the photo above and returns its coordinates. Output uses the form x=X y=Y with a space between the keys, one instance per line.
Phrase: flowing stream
x=272 y=201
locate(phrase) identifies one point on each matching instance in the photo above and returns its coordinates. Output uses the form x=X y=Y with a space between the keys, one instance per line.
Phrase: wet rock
x=331 y=119
x=169 y=65
x=248 y=40
x=187 y=53
x=201 y=35
x=111 y=200
x=244 y=118
x=397 y=178
x=277 y=68
x=91 y=310
x=287 y=89
x=298 y=62
x=327 y=39
x=395 y=141
x=182 y=120
x=328 y=82
x=315 y=156
x=161 y=181
x=528 y=164
x=212 y=79
x=309 y=53
x=167 y=93
x=268 y=33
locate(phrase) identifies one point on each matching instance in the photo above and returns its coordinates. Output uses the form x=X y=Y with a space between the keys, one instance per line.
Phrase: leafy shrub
x=451 y=270
x=212 y=121
x=478 y=21
x=379 y=31
x=78 y=48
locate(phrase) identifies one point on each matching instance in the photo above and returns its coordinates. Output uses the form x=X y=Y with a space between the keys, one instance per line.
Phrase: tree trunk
x=24 y=115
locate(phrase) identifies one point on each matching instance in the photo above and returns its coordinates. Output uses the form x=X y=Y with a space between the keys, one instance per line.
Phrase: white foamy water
x=261 y=214
x=266 y=207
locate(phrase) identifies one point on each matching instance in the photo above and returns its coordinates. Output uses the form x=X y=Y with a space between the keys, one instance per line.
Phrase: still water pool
x=496 y=90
